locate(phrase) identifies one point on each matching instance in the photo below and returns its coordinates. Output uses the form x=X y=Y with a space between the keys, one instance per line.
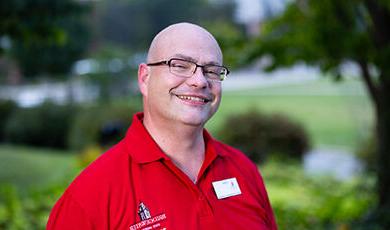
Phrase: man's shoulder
x=102 y=186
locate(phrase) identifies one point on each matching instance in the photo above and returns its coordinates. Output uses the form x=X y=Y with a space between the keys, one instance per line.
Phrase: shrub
x=303 y=201
x=11 y=210
x=30 y=212
x=102 y=126
x=89 y=154
x=46 y=125
x=259 y=135
x=6 y=109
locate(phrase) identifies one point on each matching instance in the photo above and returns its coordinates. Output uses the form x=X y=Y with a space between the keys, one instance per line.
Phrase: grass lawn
x=337 y=114
x=29 y=168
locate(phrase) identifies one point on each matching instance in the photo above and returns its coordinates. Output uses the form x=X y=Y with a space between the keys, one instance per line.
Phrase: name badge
x=226 y=188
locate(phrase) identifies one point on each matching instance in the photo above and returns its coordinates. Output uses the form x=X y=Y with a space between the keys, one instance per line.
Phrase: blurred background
x=307 y=98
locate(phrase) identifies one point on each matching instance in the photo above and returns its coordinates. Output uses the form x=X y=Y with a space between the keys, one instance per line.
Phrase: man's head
x=169 y=95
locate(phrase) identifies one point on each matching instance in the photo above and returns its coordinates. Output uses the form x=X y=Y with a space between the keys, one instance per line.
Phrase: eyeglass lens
x=187 y=69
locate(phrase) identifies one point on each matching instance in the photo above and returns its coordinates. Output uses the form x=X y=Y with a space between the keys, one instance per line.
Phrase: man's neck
x=183 y=144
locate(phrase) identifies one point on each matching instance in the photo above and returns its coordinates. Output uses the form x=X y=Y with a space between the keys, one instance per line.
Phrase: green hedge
x=45 y=125
x=308 y=202
x=32 y=212
x=259 y=135
x=102 y=126
x=57 y=126
x=6 y=109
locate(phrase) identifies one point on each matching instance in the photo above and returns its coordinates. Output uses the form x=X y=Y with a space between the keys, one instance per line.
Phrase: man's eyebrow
x=185 y=57
x=188 y=58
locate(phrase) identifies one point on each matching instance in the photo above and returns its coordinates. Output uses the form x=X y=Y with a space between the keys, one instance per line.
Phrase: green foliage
x=31 y=180
x=6 y=109
x=35 y=20
x=46 y=36
x=11 y=212
x=303 y=202
x=55 y=58
x=231 y=40
x=89 y=154
x=45 y=125
x=328 y=33
x=323 y=33
x=133 y=24
x=260 y=136
x=18 y=213
x=149 y=18
x=58 y=126
x=100 y=126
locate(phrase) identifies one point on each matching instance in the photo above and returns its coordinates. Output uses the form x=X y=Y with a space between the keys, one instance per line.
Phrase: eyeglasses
x=186 y=68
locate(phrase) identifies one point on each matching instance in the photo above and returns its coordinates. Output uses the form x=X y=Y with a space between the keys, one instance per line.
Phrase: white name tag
x=226 y=188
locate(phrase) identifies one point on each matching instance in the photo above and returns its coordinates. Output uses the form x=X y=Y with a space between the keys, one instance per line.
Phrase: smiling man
x=168 y=172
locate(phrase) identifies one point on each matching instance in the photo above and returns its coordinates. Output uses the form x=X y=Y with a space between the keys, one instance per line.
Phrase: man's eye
x=210 y=72
x=178 y=65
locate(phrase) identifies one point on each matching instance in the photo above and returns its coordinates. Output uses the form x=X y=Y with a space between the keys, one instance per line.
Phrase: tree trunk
x=383 y=153
x=380 y=96
x=380 y=16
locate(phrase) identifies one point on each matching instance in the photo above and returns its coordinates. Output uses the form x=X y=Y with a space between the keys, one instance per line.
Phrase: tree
x=46 y=36
x=133 y=24
x=326 y=34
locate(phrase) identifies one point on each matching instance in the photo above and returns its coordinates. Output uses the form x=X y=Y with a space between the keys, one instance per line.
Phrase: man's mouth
x=193 y=98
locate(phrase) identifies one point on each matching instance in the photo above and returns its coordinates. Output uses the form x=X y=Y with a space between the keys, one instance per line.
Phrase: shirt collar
x=144 y=149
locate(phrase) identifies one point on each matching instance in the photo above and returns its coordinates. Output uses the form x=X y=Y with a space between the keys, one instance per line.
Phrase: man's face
x=172 y=98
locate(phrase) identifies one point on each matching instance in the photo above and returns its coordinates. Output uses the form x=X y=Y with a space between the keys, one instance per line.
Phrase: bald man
x=168 y=172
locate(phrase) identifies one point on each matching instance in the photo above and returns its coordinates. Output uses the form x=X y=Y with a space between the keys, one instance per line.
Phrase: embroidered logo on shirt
x=143 y=212
x=147 y=221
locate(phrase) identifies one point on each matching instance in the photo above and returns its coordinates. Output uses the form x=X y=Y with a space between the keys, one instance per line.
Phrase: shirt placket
x=203 y=206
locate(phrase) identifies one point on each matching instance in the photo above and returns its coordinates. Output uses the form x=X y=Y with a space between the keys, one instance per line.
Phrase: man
x=168 y=172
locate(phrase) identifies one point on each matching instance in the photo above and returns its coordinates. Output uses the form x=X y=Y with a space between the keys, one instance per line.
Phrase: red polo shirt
x=135 y=185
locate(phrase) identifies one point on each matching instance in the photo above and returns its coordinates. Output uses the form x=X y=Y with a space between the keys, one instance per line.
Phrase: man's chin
x=193 y=117
x=194 y=120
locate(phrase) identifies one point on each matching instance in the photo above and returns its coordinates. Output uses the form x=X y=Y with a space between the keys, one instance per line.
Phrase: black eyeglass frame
x=168 y=63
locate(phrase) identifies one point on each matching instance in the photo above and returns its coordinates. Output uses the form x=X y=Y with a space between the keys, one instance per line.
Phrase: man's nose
x=198 y=79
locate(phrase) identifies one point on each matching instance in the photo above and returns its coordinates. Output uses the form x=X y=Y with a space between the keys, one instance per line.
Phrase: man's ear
x=143 y=78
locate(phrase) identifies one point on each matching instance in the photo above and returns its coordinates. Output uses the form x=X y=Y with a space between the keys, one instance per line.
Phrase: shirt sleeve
x=68 y=214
